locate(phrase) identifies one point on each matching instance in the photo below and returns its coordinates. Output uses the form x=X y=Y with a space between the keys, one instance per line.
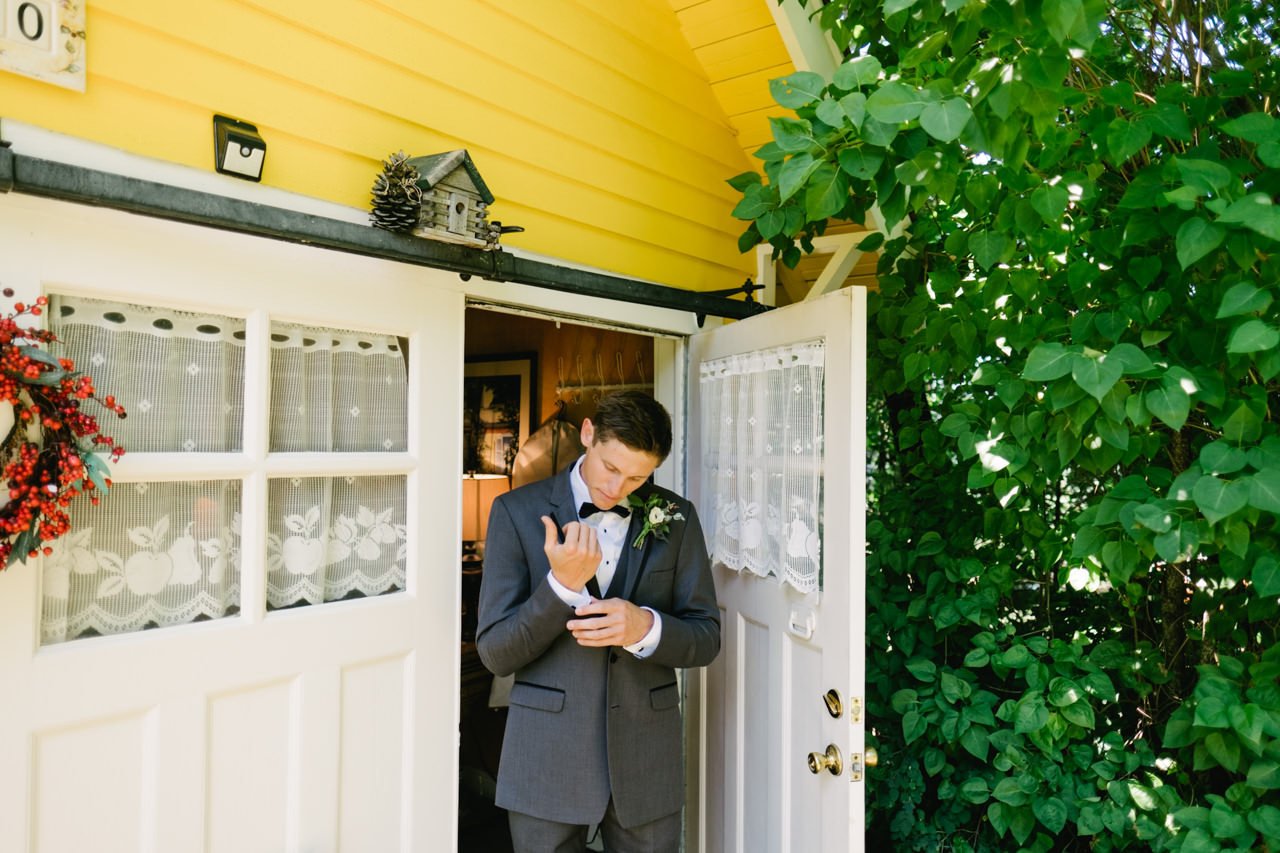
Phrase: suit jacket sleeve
x=691 y=631
x=520 y=615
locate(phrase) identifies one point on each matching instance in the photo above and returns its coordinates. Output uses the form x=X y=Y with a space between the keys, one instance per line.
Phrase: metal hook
x=640 y=367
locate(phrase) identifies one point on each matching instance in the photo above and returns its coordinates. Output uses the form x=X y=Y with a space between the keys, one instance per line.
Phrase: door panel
x=783 y=649
x=319 y=728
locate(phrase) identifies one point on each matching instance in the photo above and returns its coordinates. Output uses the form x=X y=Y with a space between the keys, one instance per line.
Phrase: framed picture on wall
x=497 y=409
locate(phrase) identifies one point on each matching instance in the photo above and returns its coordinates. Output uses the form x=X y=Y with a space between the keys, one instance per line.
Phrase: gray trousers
x=534 y=835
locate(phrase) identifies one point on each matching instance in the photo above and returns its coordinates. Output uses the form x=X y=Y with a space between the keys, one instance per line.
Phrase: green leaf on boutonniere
x=657 y=514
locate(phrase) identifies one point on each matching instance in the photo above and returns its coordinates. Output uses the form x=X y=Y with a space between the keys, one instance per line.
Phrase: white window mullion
x=253 y=521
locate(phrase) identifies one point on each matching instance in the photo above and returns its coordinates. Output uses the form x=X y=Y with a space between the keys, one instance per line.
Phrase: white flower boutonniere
x=658 y=515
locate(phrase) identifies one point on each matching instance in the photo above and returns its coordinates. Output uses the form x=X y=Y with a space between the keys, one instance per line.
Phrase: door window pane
x=148 y=555
x=330 y=538
x=180 y=376
x=762 y=461
x=333 y=390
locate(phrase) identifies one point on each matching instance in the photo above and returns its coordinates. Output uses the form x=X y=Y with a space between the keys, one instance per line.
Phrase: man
x=593 y=613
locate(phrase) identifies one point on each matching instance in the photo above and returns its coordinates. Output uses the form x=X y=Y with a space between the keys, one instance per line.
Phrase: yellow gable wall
x=593 y=123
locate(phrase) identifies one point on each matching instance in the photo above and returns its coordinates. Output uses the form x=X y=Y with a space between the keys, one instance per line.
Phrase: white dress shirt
x=611 y=532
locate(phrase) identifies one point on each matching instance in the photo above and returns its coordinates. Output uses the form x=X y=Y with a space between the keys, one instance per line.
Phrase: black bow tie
x=589 y=509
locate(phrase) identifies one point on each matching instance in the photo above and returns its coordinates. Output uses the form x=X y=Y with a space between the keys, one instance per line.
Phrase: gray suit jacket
x=587 y=723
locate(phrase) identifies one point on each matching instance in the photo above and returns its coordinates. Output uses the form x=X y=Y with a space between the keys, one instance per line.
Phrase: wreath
x=50 y=454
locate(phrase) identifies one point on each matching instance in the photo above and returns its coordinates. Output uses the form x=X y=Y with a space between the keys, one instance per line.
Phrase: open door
x=782 y=722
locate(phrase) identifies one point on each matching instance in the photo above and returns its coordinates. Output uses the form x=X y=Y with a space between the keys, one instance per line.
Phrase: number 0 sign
x=44 y=39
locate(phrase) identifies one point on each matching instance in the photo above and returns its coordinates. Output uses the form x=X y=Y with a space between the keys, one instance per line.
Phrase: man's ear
x=587 y=433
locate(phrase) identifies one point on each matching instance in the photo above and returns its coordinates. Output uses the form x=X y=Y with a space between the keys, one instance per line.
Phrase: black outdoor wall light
x=238 y=149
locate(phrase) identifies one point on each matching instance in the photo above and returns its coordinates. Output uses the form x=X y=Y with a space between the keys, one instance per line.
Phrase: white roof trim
x=810 y=47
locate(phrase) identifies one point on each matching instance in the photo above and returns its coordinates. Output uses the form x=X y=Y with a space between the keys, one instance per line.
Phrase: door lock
x=859 y=762
x=832 y=700
x=829 y=761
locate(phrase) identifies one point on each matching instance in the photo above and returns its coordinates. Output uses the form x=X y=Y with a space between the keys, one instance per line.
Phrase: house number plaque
x=44 y=39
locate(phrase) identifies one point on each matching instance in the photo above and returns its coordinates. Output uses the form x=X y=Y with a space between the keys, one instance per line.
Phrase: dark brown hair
x=635 y=419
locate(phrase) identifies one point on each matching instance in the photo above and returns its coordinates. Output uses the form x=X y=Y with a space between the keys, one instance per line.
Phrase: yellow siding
x=740 y=50
x=593 y=122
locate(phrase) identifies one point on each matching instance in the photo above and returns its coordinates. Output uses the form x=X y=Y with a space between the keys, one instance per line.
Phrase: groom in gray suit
x=593 y=603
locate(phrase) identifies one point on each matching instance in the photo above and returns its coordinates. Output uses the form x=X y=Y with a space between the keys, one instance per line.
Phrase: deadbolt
x=829 y=761
x=832 y=700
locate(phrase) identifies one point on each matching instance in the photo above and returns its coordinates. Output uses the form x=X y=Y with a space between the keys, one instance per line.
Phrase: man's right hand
x=575 y=560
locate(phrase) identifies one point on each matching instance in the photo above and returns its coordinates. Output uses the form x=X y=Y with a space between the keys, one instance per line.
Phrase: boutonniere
x=658 y=515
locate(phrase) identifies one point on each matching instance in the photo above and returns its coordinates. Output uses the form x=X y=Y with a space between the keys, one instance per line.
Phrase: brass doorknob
x=829 y=761
x=872 y=757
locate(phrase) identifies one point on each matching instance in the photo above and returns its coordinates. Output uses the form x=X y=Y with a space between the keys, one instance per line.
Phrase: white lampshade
x=478 y=492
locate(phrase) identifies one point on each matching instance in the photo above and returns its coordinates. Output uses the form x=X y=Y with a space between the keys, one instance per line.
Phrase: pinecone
x=397 y=198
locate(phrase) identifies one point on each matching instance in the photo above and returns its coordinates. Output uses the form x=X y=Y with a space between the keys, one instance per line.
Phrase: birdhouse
x=455 y=199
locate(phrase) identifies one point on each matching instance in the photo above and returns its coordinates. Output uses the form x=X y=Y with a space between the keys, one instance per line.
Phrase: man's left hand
x=611 y=622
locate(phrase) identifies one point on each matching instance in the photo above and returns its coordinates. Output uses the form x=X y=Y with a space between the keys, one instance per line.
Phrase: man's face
x=612 y=470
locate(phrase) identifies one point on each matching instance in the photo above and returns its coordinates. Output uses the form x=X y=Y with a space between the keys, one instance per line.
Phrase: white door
x=781 y=713
x=259 y=650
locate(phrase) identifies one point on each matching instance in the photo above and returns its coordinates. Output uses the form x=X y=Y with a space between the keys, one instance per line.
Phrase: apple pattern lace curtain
x=153 y=554
x=762 y=462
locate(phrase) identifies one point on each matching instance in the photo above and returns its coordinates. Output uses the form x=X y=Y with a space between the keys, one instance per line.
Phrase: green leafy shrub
x=1074 y=546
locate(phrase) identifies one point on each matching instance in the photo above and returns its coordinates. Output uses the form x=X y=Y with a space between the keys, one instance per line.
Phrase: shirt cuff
x=568 y=596
x=649 y=642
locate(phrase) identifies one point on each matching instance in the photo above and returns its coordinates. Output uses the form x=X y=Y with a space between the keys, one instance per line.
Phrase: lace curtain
x=762 y=462
x=165 y=553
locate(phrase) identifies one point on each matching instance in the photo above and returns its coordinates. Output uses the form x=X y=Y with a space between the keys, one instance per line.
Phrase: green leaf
x=976 y=742
x=97 y=470
x=924 y=670
x=894 y=102
x=913 y=726
x=1065 y=20
x=1266 y=577
x=1264 y=490
x=1009 y=791
x=798 y=89
x=1051 y=812
x=1255 y=212
x=756 y=201
x=1096 y=375
x=1080 y=713
x=1266 y=819
x=827 y=193
x=741 y=181
x=859 y=71
x=1222 y=457
x=988 y=247
x=1264 y=774
x=855 y=107
x=1050 y=201
x=1197 y=238
x=975 y=791
x=1225 y=823
x=892 y=7
x=1254 y=127
x=1224 y=748
x=1154 y=517
x=1252 y=336
x=792 y=135
x=946 y=120
x=1218 y=499
x=1207 y=176
x=793 y=175
x=1243 y=298
x=1090 y=820
x=1030 y=715
x=861 y=163
x=1064 y=691
x=1170 y=403
x=1126 y=138
x=1048 y=362
x=830 y=112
